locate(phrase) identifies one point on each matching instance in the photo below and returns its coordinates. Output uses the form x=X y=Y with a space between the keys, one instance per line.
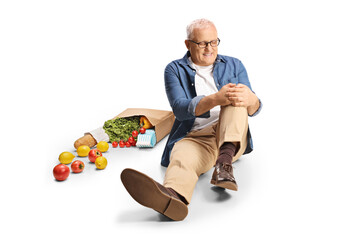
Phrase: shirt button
x=192 y=84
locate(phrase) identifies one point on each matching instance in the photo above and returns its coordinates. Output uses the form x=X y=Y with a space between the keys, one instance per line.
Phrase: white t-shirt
x=205 y=85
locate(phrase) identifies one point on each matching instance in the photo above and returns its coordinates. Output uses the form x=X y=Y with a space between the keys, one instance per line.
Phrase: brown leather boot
x=223 y=176
x=152 y=194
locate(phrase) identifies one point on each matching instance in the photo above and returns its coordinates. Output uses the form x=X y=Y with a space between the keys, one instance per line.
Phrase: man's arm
x=177 y=97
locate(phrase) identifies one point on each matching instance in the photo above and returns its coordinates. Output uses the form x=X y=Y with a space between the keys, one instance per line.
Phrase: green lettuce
x=121 y=128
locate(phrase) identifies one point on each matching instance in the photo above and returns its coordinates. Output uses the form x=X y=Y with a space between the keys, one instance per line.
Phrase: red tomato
x=61 y=172
x=93 y=154
x=115 y=144
x=77 y=166
x=135 y=133
x=121 y=144
x=142 y=130
x=128 y=144
x=133 y=143
x=131 y=140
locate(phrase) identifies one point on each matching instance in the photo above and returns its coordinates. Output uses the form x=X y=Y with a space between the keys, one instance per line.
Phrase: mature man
x=211 y=98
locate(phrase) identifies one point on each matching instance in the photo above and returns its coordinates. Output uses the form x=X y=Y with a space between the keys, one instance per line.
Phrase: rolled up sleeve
x=194 y=102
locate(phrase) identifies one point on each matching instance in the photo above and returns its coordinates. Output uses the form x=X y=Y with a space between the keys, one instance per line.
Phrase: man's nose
x=208 y=47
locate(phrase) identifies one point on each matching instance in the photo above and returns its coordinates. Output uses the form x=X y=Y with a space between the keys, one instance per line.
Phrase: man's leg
x=232 y=141
x=192 y=156
x=233 y=127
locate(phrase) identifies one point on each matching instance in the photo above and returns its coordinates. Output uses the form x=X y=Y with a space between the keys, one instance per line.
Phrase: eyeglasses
x=213 y=43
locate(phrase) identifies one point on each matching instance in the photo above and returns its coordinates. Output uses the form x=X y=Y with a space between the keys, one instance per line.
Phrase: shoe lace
x=227 y=166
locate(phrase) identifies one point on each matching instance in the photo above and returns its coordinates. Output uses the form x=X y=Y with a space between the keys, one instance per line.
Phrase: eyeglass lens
x=213 y=43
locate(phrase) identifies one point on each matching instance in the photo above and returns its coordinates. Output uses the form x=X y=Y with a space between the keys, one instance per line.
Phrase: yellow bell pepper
x=145 y=123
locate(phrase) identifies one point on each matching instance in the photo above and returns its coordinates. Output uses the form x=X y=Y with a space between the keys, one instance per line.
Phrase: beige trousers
x=197 y=152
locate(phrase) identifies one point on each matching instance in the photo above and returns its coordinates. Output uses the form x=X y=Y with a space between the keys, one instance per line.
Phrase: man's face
x=203 y=56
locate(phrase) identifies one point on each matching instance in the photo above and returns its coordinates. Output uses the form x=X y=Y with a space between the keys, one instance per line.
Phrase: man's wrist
x=254 y=107
x=216 y=99
x=213 y=100
x=205 y=104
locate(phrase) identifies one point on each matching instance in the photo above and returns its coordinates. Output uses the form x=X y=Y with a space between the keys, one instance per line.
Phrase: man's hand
x=218 y=98
x=221 y=96
x=237 y=95
x=242 y=96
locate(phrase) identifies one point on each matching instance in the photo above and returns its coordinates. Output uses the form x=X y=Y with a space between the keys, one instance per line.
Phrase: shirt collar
x=185 y=61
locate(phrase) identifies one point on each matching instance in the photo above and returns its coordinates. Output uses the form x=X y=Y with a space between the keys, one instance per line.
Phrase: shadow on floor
x=222 y=194
x=142 y=215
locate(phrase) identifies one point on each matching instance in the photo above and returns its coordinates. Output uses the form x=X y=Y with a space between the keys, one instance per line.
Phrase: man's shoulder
x=173 y=65
x=220 y=58
x=231 y=62
x=229 y=59
x=176 y=64
x=177 y=61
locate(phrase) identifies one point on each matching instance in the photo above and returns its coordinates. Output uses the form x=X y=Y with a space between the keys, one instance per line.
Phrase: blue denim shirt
x=180 y=90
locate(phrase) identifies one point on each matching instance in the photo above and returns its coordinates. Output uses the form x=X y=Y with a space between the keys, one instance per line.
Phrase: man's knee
x=229 y=109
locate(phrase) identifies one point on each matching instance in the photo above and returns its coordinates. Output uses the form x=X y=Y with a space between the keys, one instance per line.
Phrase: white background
x=67 y=66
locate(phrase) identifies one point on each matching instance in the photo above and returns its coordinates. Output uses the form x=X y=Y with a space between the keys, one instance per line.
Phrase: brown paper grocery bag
x=162 y=120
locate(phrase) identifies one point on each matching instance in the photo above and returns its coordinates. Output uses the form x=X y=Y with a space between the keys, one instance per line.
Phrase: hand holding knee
x=241 y=96
x=220 y=96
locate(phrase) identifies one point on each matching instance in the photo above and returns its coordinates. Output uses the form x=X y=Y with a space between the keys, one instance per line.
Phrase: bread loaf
x=87 y=140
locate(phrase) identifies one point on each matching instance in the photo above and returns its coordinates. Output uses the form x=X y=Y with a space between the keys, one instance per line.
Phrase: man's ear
x=187 y=44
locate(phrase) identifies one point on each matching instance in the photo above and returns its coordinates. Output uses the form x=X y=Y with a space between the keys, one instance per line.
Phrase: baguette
x=87 y=140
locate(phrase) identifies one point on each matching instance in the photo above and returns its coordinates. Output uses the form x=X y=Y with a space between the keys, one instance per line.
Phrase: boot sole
x=227 y=185
x=145 y=191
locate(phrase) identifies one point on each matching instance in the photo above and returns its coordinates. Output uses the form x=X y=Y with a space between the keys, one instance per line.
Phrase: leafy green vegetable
x=121 y=128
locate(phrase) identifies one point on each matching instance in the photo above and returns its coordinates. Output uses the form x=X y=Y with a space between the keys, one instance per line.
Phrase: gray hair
x=198 y=23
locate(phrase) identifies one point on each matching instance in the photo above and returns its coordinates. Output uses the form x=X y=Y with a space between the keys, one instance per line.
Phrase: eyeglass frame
x=207 y=43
